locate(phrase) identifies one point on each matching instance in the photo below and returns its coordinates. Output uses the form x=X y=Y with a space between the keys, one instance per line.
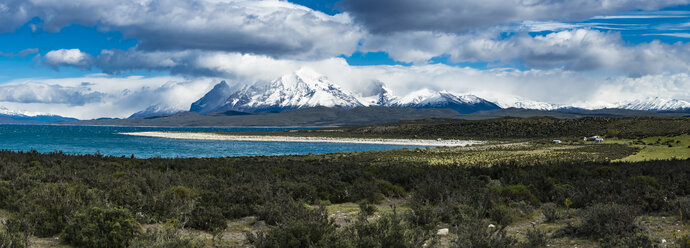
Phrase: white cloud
x=95 y=97
x=576 y=50
x=67 y=57
x=272 y=27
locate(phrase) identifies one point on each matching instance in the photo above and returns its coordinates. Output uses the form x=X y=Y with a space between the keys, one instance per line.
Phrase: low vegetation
x=520 y=194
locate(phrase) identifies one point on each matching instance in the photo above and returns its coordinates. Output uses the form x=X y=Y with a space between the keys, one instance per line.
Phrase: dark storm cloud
x=456 y=16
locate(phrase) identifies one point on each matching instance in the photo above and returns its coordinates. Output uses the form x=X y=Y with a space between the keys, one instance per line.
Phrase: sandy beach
x=230 y=137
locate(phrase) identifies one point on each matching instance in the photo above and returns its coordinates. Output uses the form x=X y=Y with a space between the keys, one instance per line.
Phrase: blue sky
x=623 y=50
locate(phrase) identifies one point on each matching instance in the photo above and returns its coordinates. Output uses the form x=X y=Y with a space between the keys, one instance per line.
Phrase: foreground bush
x=15 y=233
x=551 y=212
x=165 y=236
x=602 y=220
x=298 y=226
x=101 y=227
x=389 y=230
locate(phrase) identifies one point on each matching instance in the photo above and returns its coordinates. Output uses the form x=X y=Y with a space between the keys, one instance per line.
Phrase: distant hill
x=323 y=116
x=317 y=116
x=23 y=119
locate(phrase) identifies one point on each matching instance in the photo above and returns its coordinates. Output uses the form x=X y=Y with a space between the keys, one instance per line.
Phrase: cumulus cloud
x=453 y=16
x=273 y=27
x=572 y=50
x=576 y=50
x=67 y=57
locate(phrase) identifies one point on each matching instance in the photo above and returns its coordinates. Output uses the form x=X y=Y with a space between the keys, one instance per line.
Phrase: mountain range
x=13 y=117
x=306 y=89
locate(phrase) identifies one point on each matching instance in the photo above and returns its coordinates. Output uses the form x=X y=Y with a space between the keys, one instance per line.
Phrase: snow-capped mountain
x=6 y=111
x=12 y=116
x=655 y=104
x=301 y=89
x=306 y=88
x=378 y=95
x=521 y=103
x=426 y=98
x=158 y=109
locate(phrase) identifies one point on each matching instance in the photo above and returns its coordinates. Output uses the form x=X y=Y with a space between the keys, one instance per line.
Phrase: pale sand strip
x=230 y=137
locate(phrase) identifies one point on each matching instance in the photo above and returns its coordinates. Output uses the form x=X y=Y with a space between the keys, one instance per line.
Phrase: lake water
x=106 y=141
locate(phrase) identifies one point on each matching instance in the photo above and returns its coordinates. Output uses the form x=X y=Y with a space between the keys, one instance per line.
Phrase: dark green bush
x=636 y=240
x=682 y=207
x=389 y=230
x=208 y=218
x=535 y=238
x=15 y=234
x=551 y=212
x=49 y=206
x=301 y=227
x=517 y=193
x=366 y=210
x=478 y=233
x=390 y=190
x=101 y=227
x=603 y=220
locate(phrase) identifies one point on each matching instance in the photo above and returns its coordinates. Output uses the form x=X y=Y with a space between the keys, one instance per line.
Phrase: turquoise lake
x=107 y=141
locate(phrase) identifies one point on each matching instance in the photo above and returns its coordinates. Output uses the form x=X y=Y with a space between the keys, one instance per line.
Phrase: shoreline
x=225 y=137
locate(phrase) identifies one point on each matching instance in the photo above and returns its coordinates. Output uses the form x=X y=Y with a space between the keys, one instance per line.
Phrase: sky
x=92 y=59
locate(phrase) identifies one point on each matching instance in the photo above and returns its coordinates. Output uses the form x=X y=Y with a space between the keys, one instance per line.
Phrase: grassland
x=657 y=147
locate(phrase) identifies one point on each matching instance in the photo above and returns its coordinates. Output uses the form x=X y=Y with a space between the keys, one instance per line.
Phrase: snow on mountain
x=377 y=95
x=6 y=111
x=21 y=116
x=521 y=103
x=302 y=89
x=426 y=98
x=655 y=104
x=158 y=109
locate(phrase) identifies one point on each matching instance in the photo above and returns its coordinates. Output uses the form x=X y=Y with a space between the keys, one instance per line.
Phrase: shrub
x=612 y=133
x=165 y=236
x=682 y=206
x=15 y=234
x=502 y=215
x=366 y=210
x=101 y=227
x=390 y=190
x=49 y=206
x=478 y=233
x=637 y=240
x=302 y=228
x=684 y=241
x=517 y=192
x=390 y=230
x=535 y=238
x=602 y=220
x=208 y=218
x=551 y=212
